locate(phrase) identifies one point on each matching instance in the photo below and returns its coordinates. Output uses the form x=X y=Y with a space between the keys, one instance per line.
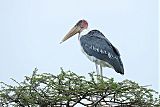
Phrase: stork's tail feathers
x=119 y=68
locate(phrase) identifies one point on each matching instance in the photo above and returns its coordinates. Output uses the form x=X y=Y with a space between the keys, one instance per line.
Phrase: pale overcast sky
x=30 y=32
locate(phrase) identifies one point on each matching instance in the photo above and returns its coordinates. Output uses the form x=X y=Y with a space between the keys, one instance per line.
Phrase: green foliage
x=69 y=89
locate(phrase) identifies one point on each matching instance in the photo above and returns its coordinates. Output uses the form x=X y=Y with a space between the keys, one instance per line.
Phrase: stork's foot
x=100 y=79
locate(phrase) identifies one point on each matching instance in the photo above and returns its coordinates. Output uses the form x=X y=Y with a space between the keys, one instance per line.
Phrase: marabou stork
x=97 y=48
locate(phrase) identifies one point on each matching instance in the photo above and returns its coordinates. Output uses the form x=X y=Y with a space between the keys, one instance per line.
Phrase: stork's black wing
x=96 y=44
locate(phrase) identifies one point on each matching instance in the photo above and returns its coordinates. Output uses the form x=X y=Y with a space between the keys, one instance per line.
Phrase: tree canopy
x=69 y=89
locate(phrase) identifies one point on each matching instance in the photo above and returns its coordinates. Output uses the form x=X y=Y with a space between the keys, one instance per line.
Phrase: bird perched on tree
x=97 y=48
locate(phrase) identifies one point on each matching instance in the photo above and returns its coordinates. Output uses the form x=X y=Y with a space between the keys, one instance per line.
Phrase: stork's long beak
x=76 y=29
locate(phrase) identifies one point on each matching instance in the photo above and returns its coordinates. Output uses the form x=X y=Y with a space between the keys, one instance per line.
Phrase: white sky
x=30 y=32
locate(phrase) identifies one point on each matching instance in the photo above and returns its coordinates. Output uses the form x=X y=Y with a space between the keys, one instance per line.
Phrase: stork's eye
x=82 y=26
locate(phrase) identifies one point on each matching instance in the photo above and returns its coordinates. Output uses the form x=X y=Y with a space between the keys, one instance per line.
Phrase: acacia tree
x=69 y=89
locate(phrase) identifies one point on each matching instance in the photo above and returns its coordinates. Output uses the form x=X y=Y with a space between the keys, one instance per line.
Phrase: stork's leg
x=97 y=70
x=101 y=70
